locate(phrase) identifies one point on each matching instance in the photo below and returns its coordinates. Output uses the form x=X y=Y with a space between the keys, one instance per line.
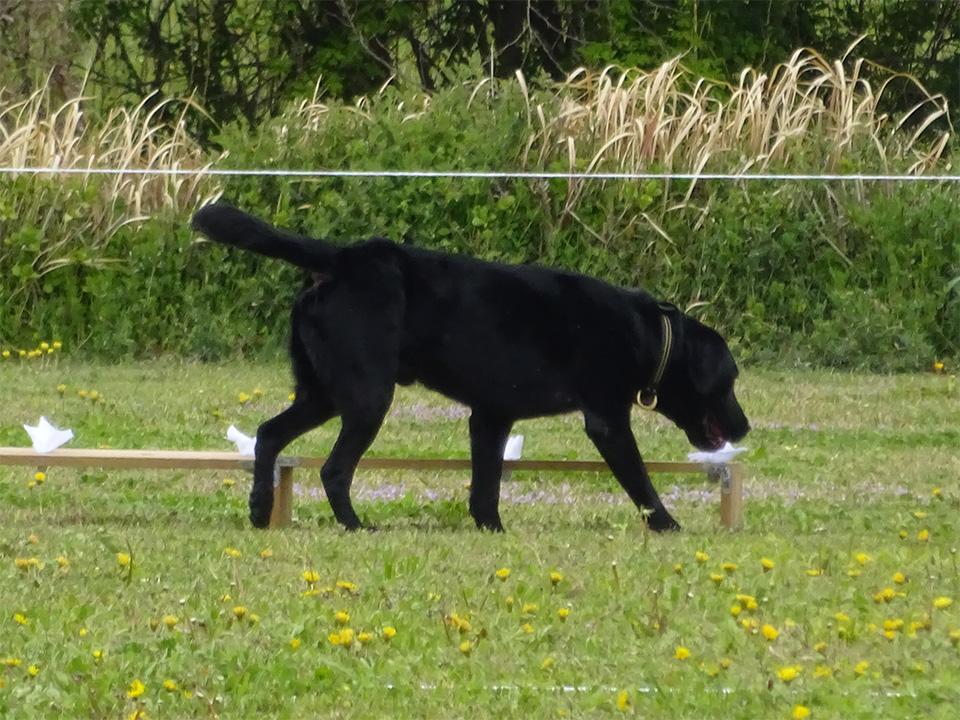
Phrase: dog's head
x=696 y=391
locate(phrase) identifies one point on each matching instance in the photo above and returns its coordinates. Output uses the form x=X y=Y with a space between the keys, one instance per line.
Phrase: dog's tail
x=227 y=225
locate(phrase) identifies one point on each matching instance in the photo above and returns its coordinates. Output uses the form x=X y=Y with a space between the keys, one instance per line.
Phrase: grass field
x=148 y=595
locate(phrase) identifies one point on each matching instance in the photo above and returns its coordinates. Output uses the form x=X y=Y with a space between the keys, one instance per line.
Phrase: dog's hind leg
x=488 y=437
x=359 y=429
x=612 y=435
x=306 y=413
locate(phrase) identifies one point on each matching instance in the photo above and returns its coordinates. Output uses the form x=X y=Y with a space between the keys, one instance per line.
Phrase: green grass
x=839 y=465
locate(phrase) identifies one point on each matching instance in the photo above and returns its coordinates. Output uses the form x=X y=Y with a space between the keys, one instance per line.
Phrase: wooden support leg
x=731 y=496
x=282 y=514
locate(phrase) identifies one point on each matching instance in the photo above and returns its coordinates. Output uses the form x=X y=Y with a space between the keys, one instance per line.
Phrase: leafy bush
x=844 y=274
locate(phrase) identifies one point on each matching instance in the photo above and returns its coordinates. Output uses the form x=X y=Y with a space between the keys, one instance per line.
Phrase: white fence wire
x=494 y=174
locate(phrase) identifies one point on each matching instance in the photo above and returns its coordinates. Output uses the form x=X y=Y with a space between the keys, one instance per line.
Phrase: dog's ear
x=712 y=367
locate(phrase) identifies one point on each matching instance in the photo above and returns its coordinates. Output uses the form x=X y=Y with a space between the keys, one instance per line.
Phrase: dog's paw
x=494 y=526
x=662 y=521
x=260 y=515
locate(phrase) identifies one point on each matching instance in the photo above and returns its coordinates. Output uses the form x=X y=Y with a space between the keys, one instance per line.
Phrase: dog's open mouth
x=713 y=433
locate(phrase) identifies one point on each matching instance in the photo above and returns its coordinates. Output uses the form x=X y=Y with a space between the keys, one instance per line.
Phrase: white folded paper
x=245 y=445
x=46 y=437
x=725 y=454
x=513 y=448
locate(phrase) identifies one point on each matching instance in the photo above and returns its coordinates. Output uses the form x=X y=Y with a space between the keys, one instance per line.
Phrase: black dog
x=508 y=341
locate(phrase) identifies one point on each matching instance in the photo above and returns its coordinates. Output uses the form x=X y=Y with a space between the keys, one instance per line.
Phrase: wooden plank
x=205 y=459
x=731 y=496
x=146 y=459
x=282 y=514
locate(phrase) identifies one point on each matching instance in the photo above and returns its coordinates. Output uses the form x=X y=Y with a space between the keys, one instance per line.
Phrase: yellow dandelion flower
x=751 y=604
x=623 y=700
x=364 y=637
x=346 y=636
x=863 y=558
x=678 y=567
x=702 y=557
x=735 y=610
x=57 y=345
x=822 y=671
x=291 y=397
x=94 y=395
x=12 y=662
x=232 y=552
x=136 y=689
x=937 y=493
x=310 y=576
x=123 y=559
x=503 y=573
x=243 y=398
x=82 y=393
x=20 y=619
x=563 y=614
x=22 y=564
x=348 y=586
x=62 y=561
x=389 y=632
x=83 y=632
x=729 y=567
x=266 y=553
x=228 y=482
x=854 y=572
x=33 y=670
x=725 y=663
x=813 y=573
x=342 y=617
x=899 y=578
x=920 y=514
x=903 y=534
x=466 y=647
x=717 y=578
x=295 y=643
x=800 y=712
x=334 y=638
x=239 y=611
x=861 y=667
x=529 y=607
x=555 y=578
x=769 y=632
x=546 y=663
x=40 y=477
x=820 y=647
x=224 y=598
x=767 y=564
x=98 y=655
x=894 y=624
x=955 y=637
x=254 y=618
x=169 y=685
x=171 y=621
x=5 y=353
x=941 y=603
x=257 y=393
x=788 y=673
x=923 y=535
x=681 y=653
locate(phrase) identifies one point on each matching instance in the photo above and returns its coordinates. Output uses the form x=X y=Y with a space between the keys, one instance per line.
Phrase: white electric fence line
x=519 y=175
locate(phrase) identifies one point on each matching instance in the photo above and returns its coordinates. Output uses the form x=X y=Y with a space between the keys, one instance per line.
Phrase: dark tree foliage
x=246 y=58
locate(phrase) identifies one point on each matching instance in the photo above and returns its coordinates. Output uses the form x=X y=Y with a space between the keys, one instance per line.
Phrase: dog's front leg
x=612 y=435
x=273 y=436
x=488 y=438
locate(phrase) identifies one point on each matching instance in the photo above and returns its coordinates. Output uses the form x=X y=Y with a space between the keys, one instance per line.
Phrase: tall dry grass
x=77 y=214
x=807 y=114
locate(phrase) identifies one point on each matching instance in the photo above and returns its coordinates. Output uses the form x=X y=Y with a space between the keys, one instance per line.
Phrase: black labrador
x=508 y=341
